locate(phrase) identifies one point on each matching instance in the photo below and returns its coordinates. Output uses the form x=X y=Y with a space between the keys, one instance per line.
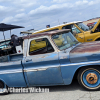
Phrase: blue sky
x=39 y=13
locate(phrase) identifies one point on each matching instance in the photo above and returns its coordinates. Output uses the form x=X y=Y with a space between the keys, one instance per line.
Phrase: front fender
x=69 y=70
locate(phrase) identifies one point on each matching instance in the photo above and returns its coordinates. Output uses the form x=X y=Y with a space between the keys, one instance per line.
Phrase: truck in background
x=81 y=32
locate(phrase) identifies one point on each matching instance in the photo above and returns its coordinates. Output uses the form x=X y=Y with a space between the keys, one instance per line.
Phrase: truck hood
x=85 y=52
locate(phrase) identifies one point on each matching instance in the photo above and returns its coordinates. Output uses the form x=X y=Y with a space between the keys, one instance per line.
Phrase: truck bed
x=13 y=57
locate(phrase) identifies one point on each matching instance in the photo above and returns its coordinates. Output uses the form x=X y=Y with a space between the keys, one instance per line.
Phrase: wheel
x=3 y=88
x=89 y=78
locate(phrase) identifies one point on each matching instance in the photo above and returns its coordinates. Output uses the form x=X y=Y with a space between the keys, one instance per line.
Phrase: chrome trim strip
x=83 y=63
x=73 y=64
x=44 y=68
x=10 y=71
x=31 y=70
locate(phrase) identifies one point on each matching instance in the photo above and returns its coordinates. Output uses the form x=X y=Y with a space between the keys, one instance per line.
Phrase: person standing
x=14 y=42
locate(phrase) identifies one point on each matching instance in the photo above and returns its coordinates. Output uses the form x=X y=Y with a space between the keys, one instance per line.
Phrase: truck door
x=42 y=66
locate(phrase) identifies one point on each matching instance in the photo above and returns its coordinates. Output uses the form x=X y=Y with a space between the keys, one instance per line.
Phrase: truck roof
x=59 y=25
x=25 y=32
x=46 y=33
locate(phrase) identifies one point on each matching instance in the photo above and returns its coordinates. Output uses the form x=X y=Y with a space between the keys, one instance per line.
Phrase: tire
x=3 y=88
x=89 y=78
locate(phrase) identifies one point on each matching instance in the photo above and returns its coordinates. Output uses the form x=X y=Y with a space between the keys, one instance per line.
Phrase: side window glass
x=51 y=30
x=40 y=46
x=75 y=30
x=98 y=28
x=66 y=27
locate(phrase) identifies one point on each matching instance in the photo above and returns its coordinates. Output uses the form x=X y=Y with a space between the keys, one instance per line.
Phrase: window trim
x=75 y=26
x=79 y=29
x=39 y=38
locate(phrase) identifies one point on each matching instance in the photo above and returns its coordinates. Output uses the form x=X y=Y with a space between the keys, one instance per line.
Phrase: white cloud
x=26 y=13
x=3 y=8
x=20 y=15
x=24 y=3
x=94 y=2
x=20 y=10
x=5 y=0
x=48 y=11
x=53 y=8
x=21 y=3
x=7 y=19
x=5 y=11
x=15 y=19
x=91 y=3
x=81 y=2
x=60 y=1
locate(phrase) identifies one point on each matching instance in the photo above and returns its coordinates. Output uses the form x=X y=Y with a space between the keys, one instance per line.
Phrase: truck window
x=83 y=26
x=74 y=29
x=64 y=40
x=97 y=29
x=40 y=46
x=52 y=30
x=66 y=27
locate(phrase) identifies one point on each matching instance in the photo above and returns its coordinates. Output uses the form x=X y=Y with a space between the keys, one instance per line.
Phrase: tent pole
x=10 y=33
x=3 y=35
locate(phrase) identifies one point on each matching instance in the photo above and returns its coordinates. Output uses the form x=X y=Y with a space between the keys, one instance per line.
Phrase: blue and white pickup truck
x=52 y=58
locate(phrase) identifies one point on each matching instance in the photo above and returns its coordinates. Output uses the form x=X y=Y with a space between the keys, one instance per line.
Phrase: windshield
x=4 y=44
x=83 y=26
x=64 y=40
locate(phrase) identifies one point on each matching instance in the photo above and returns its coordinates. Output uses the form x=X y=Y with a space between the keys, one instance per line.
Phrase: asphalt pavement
x=69 y=92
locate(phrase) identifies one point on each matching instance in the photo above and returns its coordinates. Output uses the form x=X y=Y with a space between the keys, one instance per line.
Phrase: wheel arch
x=1 y=80
x=77 y=71
x=97 y=38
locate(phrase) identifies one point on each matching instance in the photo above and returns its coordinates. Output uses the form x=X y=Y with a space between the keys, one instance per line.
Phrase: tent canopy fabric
x=6 y=27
